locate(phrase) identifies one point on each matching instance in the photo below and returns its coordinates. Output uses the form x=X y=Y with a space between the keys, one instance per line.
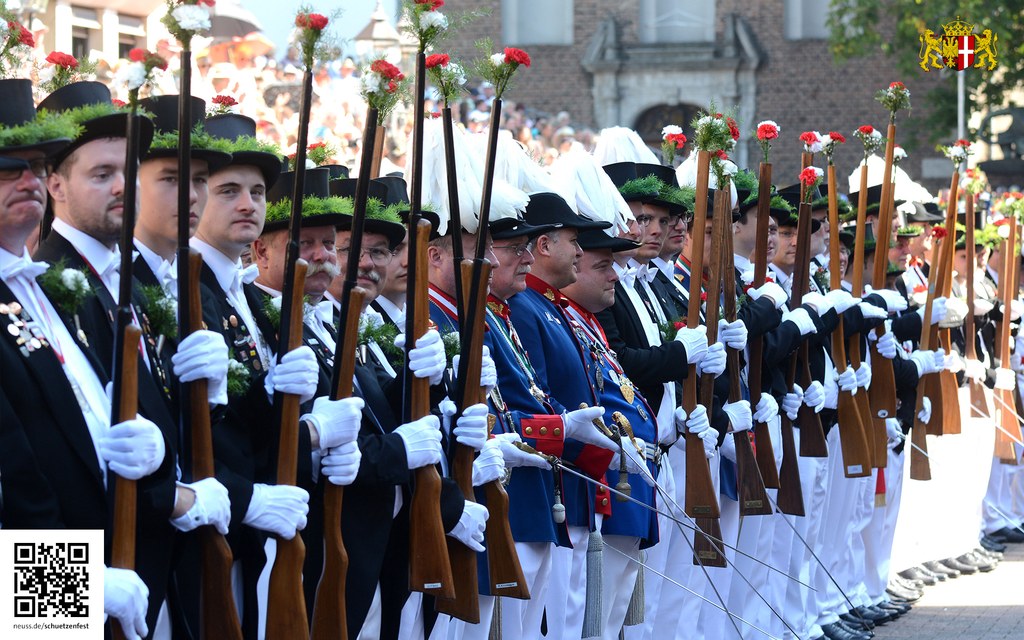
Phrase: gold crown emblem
x=958 y=28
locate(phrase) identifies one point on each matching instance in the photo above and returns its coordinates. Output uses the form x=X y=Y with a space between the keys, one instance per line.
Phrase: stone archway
x=651 y=121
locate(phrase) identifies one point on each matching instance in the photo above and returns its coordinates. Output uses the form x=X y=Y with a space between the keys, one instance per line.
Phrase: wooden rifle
x=329 y=612
x=979 y=402
x=125 y=395
x=701 y=504
x=812 y=435
x=430 y=569
x=286 y=606
x=764 y=450
x=862 y=418
x=945 y=384
x=882 y=394
x=1004 y=446
x=753 y=500
x=852 y=433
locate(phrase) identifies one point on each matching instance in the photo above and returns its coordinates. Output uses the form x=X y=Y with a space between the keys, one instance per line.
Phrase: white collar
x=393 y=312
x=742 y=263
x=157 y=264
x=95 y=253
x=222 y=266
x=666 y=267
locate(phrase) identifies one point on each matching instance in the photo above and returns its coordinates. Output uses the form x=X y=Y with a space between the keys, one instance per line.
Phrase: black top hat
x=232 y=126
x=621 y=173
x=793 y=194
x=550 y=209
x=18 y=108
x=112 y=125
x=593 y=239
x=874 y=197
x=774 y=210
x=667 y=175
x=847 y=238
x=315 y=185
x=923 y=215
x=398 y=193
x=505 y=228
x=336 y=171
x=165 y=120
x=378 y=190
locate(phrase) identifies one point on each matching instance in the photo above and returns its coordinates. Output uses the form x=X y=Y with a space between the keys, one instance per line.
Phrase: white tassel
x=635 y=611
x=593 y=614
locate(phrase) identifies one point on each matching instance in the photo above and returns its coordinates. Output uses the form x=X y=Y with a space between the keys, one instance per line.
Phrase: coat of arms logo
x=958 y=47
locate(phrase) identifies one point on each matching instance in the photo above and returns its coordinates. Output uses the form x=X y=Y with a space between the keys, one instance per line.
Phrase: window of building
x=85 y=31
x=674 y=21
x=537 y=22
x=805 y=19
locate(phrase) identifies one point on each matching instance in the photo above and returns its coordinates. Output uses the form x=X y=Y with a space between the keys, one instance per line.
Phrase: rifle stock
x=1004 y=446
x=430 y=570
x=122 y=553
x=882 y=394
x=977 y=390
x=286 y=603
x=753 y=500
x=700 y=502
x=950 y=424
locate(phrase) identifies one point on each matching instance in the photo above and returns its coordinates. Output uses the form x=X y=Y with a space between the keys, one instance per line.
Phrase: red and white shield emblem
x=964 y=46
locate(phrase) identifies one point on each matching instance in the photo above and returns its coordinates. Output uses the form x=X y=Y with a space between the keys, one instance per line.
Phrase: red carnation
x=866 y=130
x=718 y=116
x=962 y=143
x=386 y=69
x=434 y=4
x=767 y=131
x=24 y=35
x=118 y=103
x=703 y=296
x=810 y=176
x=316 y=145
x=516 y=56
x=678 y=324
x=224 y=101
x=898 y=85
x=809 y=138
x=314 y=21
x=938 y=232
x=138 y=54
x=836 y=136
x=437 y=60
x=677 y=138
x=62 y=60
x=721 y=154
x=734 y=130
x=920 y=288
x=208 y=3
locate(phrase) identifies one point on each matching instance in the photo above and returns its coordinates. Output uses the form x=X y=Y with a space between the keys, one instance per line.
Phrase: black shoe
x=956 y=565
x=835 y=631
x=893 y=607
x=1009 y=534
x=990 y=544
x=855 y=629
x=915 y=573
x=876 y=616
x=858 y=624
x=938 y=568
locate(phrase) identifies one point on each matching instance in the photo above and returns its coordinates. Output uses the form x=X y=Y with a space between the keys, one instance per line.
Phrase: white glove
x=340 y=465
x=928 y=361
x=887 y=345
x=816 y=301
x=515 y=457
x=714 y=362
x=814 y=396
x=766 y=410
x=974 y=369
x=1006 y=379
x=791 y=402
x=772 y=291
x=733 y=334
x=635 y=462
x=488 y=372
x=579 y=425
x=982 y=306
x=133 y=449
x=1016 y=309
x=847 y=380
x=956 y=311
x=870 y=311
x=471 y=429
x=422 y=440
x=470 y=528
x=938 y=310
x=204 y=354
x=297 y=374
x=695 y=341
x=279 y=509
x=894 y=302
x=126 y=598
x=841 y=300
x=426 y=359
x=953 y=362
x=699 y=425
x=336 y=421
x=490 y=464
x=211 y=506
x=925 y=414
x=739 y=413
x=801 y=319
x=864 y=375
x=893 y=431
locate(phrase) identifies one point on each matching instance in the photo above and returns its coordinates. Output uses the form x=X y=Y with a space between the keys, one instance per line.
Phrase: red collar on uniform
x=499 y=307
x=546 y=290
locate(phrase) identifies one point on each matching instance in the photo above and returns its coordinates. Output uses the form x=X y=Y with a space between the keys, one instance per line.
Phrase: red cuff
x=594 y=461
x=544 y=433
x=602 y=500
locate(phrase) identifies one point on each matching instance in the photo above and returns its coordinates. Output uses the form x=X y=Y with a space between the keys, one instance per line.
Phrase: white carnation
x=816 y=147
x=671 y=130
x=457 y=73
x=704 y=121
x=498 y=59
x=191 y=17
x=131 y=75
x=898 y=153
x=818 y=172
x=729 y=168
x=73 y=279
x=434 y=19
x=955 y=153
x=236 y=367
x=875 y=133
x=370 y=82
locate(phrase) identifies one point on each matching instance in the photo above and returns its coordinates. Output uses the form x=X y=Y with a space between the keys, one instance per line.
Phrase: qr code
x=51 y=580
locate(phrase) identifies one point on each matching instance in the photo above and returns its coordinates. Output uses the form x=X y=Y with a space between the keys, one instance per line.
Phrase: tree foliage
x=864 y=27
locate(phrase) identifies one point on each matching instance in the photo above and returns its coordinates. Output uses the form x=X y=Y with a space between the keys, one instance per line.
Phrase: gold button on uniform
x=604 y=502
x=558 y=431
x=543 y=431
x=529 y=430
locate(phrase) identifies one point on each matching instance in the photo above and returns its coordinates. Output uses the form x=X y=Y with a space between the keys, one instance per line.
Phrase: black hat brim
x=393 y=231
x=502 y=230
x=214 y=159
x=268 y=164
x=594 y=240
x=50 y=148
x=114 y=125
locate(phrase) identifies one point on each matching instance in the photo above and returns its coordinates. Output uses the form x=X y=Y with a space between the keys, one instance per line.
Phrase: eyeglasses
x=645 y=220
x=379 y=257
x=517 y=249
x=40 y=168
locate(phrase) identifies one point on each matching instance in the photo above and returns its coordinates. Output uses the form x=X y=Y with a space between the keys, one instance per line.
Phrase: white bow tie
x=629 y=276
x=247 y=275
x=647 y=272
x=322 y=311
x=24 y=267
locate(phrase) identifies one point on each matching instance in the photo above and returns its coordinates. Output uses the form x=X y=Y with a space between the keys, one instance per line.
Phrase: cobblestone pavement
x=985 y=606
